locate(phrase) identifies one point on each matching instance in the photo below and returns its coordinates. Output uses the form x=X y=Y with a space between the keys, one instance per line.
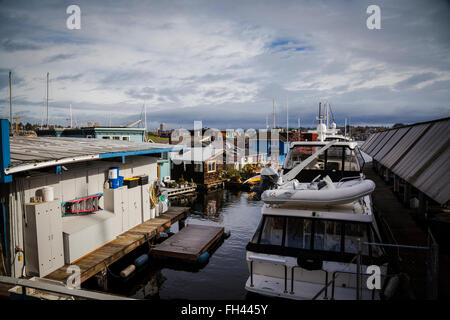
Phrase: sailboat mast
x=145 y=117
x=274 y=115
x=47 y=100
x=10 y=102
x=71 y=124
x=287 y=120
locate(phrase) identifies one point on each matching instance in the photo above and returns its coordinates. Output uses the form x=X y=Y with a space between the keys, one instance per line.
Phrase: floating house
x=202 y=165
x=57 y=201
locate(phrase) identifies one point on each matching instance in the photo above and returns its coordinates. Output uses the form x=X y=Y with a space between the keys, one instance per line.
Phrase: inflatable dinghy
x=332 y=194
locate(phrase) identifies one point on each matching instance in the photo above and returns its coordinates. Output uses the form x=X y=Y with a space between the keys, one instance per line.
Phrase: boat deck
x=189 y=243
x=106 y=255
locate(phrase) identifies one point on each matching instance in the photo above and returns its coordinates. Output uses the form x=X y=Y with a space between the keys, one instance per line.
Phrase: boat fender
x=125 y=273
x=203 y=258
x=391 y=287
x=141 y=260
x=309 y=263
x=226 y=234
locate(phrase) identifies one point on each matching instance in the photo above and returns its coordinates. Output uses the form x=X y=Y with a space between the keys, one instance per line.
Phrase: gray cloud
x=58 y=57
x=14 y=45
x=415 y=80
x=224 y=62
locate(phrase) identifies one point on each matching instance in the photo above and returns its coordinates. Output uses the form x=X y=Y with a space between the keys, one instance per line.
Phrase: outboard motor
x=269 y=179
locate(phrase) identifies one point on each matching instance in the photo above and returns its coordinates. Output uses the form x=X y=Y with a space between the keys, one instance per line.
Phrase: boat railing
x=59 y=289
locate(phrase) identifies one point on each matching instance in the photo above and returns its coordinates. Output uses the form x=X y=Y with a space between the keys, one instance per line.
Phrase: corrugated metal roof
x=26 y=151
x=419 y=154
x=368 y=141
x=403 y=145
x=434 y=181
x=424 y=150
x=376 y=142
x=383 y=142
x=373 y=141
x=391 y=143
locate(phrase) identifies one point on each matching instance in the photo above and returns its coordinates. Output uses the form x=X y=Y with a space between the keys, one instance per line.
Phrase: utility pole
x=47 y=100
x=267 y=121
x=10 y=104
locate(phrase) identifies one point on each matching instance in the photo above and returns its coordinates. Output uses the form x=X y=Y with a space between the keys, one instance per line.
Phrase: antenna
x=298 y=124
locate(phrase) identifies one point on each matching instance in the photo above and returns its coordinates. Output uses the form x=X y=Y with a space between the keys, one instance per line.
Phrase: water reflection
x=225 y=275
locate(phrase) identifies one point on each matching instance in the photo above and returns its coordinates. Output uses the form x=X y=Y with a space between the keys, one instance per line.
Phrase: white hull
x=269 y=279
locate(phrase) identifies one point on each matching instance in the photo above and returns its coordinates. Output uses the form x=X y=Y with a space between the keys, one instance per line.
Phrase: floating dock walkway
x=178 y=191
x=189 y=243
x=103 y=257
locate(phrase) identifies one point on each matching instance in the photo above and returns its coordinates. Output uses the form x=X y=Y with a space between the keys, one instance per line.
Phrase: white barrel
x=48 y=194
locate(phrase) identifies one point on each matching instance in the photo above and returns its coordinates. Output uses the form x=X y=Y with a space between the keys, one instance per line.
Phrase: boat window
x=327 y=235
x=332 y=159
x=298 y=233
x=257 y=232
x=353 y=232
x=272 y=232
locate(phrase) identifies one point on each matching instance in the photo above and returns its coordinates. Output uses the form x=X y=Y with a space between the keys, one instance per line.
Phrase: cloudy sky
x=224 y=61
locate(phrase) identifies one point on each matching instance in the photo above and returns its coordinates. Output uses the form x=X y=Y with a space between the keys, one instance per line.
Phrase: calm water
x=225 y=275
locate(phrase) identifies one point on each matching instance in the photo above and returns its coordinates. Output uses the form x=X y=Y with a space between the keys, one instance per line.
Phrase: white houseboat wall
x=39 y=238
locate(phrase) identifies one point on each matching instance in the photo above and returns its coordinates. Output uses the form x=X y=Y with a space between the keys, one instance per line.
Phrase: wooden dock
x=189 y=243
x=106 y=255
x=178 y=191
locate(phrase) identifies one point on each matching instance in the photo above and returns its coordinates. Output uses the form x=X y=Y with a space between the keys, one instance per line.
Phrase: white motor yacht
x=316 y=239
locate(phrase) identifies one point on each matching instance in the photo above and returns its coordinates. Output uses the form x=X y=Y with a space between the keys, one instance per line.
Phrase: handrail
x=24 y=283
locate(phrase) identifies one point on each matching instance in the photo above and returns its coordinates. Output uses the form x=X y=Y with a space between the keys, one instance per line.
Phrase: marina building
x=59 y=202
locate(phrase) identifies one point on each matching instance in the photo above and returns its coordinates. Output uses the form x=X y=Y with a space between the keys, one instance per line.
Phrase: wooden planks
x=101 y=258
x=189 y=243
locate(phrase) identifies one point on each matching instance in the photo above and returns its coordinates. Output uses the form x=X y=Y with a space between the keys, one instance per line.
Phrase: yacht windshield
x=291 y=235
x=337 y=161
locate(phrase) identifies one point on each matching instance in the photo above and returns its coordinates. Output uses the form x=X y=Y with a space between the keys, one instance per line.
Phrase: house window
x=212 y=166
x=106 y=137
x=116 y=138
x=89 y=136
x=198 y=167
x=126 y=138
